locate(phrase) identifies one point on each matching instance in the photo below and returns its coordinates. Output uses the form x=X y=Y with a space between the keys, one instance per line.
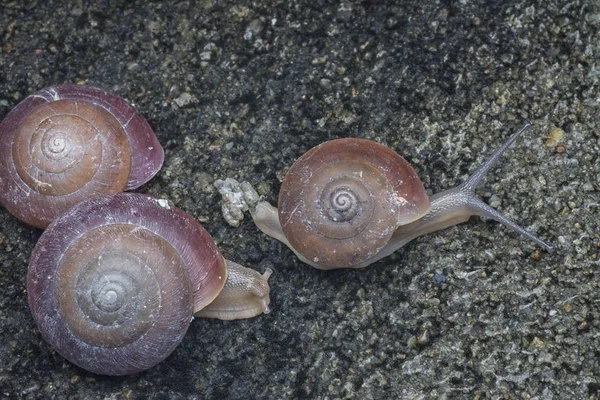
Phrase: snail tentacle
x=457 y=205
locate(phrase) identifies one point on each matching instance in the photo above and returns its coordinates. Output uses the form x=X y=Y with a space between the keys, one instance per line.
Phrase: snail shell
x=341 y=201
x=113 y=283
x=68 y=143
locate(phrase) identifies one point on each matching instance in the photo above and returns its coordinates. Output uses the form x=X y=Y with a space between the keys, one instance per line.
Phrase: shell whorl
x=340 y=202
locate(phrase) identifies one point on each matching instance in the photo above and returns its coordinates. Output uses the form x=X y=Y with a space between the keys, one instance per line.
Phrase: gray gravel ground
x=242 y=89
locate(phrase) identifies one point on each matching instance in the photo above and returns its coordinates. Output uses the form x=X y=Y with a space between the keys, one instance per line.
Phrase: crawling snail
x=347 y=203
x=114 y=282
x=68 y=143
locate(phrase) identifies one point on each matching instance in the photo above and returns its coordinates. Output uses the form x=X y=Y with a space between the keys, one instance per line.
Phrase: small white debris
x=401 y=200
x=164 y=204
x=236 y=198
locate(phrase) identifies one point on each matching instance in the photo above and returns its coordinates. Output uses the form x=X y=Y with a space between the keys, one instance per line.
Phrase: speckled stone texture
x=242 y=89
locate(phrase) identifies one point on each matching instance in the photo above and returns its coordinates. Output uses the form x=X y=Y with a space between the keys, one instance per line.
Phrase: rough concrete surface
x=242 y=88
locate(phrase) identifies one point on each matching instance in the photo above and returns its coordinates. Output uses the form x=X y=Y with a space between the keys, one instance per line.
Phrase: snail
x=348 y=203
x=68 y=143
x=113 y=283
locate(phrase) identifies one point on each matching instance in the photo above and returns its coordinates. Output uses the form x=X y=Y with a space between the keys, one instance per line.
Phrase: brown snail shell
x=112 y=284
x=68 y=143
x=341 y=201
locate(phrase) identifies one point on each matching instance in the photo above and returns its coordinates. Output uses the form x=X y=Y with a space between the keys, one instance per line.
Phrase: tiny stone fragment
x=236 y=198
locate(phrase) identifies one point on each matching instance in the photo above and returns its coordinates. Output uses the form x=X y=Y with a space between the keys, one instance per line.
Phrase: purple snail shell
x=113 y=283
x=69 y=143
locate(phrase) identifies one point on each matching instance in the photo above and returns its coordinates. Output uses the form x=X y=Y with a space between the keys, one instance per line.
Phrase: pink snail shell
x=68 y=143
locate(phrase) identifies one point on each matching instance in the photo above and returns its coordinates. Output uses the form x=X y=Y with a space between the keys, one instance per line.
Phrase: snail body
x=347 y=203
x=245 y=295
x=113 y=283
x=69 y=143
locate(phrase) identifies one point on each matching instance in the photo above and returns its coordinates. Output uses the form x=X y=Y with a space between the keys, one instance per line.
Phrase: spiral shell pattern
x=341 y=202
x=113 y=283
x=68 y=143
x=63 y=146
